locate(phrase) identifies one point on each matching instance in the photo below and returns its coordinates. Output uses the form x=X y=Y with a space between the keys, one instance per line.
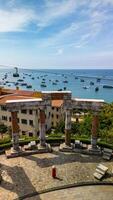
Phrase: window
x=30 y=134
x=52 y=108
x=24 y=111
x=23 y=121
x=46 y=126
x=30 y=112
x=57 y=116
x=52 y=115
x=57 y=109
x=23 y=133
x=48 y=114
x=4 y=118
x=9 y=119
x=18 y=120
x=3 y=108
x=31 y=122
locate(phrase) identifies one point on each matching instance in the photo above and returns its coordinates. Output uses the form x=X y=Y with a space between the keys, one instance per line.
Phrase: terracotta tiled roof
x=57 y=103
x=3 y=99
x=11 y=94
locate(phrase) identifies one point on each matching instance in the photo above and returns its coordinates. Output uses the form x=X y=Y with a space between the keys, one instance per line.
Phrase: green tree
x=3 y=129
x=60 y=127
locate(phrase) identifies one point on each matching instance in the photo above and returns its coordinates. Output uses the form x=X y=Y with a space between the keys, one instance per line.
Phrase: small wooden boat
x=82 y=80
x=107 y=86
x=29 y=86
x=96 y=89
x=91 y=83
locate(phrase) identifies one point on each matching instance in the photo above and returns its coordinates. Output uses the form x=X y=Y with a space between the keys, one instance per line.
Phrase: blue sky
x=56 y=33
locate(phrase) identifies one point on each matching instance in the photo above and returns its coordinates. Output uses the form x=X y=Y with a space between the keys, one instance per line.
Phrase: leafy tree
x=3 y=129
x=60 y=127
x=85 y=126
x=75 y=126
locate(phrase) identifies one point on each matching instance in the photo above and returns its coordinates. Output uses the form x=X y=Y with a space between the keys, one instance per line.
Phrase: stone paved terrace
x=78 y=193
x=24 y=175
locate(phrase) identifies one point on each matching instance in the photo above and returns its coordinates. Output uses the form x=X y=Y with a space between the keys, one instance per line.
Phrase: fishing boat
x=98 y=79
x=91 y=83
x=65 y=81
x=96 y=89
x=86 y=87
x=107 y=86
x=20 y=80
x=16 y=74
x=16 y=83
x=23 y=84
x=54 y=83
x=43 y=85
x=82 y=80
x=29 y=86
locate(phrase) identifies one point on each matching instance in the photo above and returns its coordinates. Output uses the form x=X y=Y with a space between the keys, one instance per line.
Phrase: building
x=28 y=120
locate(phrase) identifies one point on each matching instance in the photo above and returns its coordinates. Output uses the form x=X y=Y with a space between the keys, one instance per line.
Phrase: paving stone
x=24 y=175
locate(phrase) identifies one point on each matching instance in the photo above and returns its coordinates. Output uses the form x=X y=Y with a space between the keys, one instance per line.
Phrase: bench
x=100 y=172
x=78 y=144
x=107 y=153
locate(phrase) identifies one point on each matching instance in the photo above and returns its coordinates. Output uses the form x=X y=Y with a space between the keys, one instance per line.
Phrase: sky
x=56 y=33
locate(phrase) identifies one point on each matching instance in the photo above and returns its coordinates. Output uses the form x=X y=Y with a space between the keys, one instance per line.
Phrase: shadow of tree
x=62 y=158
x=21 y=185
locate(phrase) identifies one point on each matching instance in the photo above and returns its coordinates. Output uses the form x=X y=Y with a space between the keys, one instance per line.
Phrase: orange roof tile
x=3 y=99
x=57 y=103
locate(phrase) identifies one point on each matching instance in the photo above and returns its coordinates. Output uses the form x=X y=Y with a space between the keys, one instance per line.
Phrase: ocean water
x=73 y=84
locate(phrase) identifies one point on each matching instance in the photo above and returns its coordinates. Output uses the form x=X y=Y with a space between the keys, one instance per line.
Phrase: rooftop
x=57 y=103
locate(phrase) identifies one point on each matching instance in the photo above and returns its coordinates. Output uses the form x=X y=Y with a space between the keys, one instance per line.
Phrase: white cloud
x=14 y=20
x=55 y=10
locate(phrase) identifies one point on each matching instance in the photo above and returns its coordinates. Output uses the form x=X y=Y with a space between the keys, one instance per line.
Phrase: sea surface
x=55 y=79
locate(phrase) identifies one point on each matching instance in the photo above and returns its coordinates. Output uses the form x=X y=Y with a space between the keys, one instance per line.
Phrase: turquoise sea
x=63 y=79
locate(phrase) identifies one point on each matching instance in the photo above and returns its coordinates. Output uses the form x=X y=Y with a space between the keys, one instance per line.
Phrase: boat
x=29 y=86
x=82 y=80
x=65 y=81
x=43 y=85
x=98 y=79
x=20 y=80
x=23 y=84
x=107 y=86
x=76 y=77
x=91 y=83
x=32 y=78
x=54 y=83
x=86 y=87
x=16 y=74
x=65 y=88
x=96 y=89
x=59 y=89
x=16 y=83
